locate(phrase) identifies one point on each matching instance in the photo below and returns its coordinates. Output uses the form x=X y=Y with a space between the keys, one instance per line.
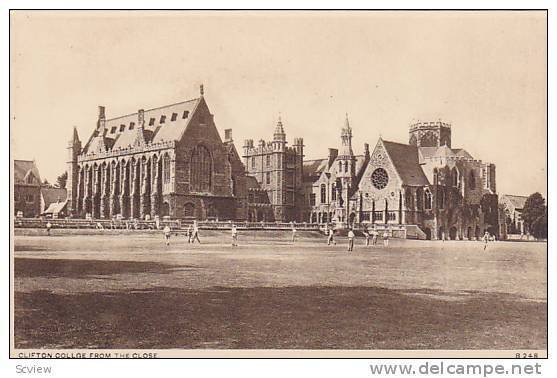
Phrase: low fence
x=393 y=230
x=135 y=224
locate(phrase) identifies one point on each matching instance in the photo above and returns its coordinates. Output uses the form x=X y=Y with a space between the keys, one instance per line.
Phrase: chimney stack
x=141 y=118
x=333 y=153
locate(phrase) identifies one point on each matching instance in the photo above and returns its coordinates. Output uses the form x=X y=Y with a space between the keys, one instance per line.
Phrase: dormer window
x=163 y=118
x=151 y=122
x=113 y=130
x=186 y=114
x=122 y=128
x=173 y=118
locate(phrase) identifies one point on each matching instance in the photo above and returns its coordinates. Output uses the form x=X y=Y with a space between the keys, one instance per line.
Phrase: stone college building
x=171 y=161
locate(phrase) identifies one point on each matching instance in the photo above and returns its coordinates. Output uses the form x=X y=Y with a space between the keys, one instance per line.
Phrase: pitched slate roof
x=252 y=183
x=53 y=195
x=55 y=207
x=427 y=152
x=443 y=151
x=407 y=165
x=313 y=168
x=461 y=152
x=24 y=168
x=517 y=201
x=158 y=126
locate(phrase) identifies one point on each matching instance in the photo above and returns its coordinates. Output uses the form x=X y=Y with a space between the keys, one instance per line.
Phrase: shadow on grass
x=30 y=267
x=277 y=318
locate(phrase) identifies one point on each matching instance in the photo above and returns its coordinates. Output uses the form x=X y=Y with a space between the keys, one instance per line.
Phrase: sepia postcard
x=332 y=184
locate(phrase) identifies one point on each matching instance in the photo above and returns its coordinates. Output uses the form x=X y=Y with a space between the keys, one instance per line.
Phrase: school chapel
x=443 y=191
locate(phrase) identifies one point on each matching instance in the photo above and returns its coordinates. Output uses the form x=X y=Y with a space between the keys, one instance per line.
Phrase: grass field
x=132 y=291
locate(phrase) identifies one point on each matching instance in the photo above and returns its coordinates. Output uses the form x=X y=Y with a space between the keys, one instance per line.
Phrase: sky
x=483 y=72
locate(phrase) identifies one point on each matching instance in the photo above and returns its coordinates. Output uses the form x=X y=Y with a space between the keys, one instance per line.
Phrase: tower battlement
x=427 y=125
x=430 y=134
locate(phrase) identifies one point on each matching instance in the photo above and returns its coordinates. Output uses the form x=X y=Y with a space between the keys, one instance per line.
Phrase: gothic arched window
x=429 y=139
x=323 y=193
x=428 y=202
x=345 y=167
x=189 y=209
x=441 y=197
x=454 y=175
x=201 y=169
x=419 y=198
x=472 y=180
x=333 y=192
x=166 y=169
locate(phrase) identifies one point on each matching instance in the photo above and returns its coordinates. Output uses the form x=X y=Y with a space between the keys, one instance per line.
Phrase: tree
x=534 y=215
x=61 y=180
x=533 y=209
x=539 y=226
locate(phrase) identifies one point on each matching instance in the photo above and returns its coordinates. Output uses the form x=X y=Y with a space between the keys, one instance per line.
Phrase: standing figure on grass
x=234 y=236
x=386 y=238
x=366 y=234
x=374 y=236
x=48 y=227
x=188 y=233
x=293 y=233
x=351 y=237
x=486 y=238
x=166 y=232
x=195 y=233
x=331 y=237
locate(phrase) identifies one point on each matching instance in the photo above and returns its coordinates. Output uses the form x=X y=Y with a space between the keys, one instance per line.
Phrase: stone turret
x=74 y=149
x=346 y=137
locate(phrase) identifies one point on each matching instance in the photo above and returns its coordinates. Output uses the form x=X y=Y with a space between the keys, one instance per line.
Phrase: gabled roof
x=406 y=163
x=461 y=152
x=55 y=207
x=313 y=168
x=24 y=168
x=444 y=151
x=252 y=183
x=53 y=195
x=427 y=152
x=158 y=127
x=517 y=201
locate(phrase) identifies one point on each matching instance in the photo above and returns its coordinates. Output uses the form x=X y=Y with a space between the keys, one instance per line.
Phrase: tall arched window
x=419 y=198
x=427 y=195
x=345 y=167
x=441 y=195
x=166 y=169
x=323 y=193
x=201 y=169
x=189 y=209
x=472 y=180
x=333 y=192
x=454 y=175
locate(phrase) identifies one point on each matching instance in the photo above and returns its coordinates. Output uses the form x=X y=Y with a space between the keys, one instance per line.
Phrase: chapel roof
x=406 y=162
